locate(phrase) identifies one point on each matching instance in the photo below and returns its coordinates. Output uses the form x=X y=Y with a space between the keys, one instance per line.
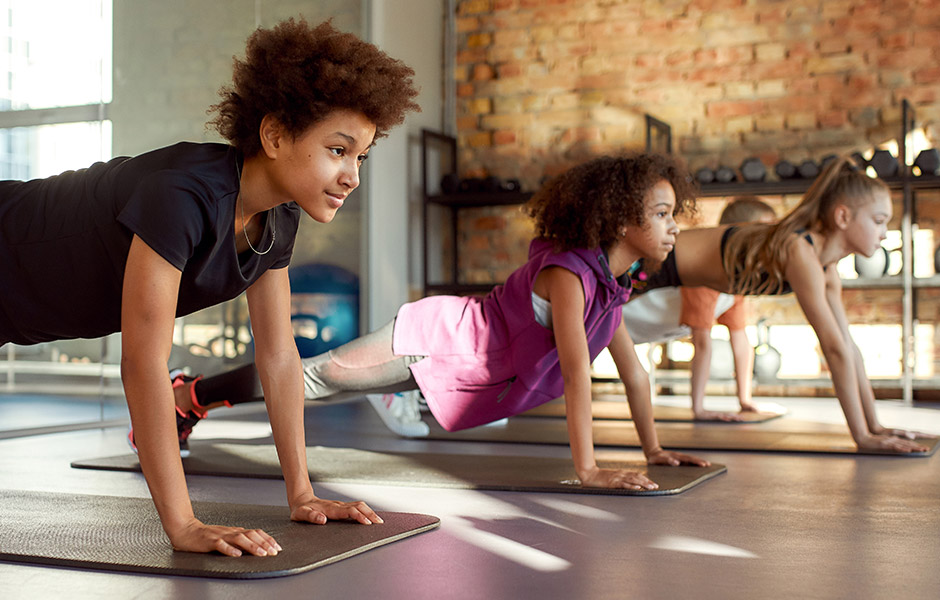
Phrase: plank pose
x=131 y=244
x=671 y=313
x=532 y=339
x=843 y=212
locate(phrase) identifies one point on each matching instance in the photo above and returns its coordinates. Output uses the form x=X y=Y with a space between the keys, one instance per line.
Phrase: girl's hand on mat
x=906 y=434
x=890 y=442
x=674 y=459
x=231 y=541
x=319 y=511
x=617 y=478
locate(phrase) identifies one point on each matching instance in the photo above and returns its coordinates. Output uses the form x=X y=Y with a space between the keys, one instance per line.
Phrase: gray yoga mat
x=461 y=471
x=610 y=407
x=673 y=436
x=123 y=534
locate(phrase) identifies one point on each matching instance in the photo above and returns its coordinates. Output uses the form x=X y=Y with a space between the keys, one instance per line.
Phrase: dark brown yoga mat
x=124 y=534
x=611 y=408
x=673 y=436
x=461 y=471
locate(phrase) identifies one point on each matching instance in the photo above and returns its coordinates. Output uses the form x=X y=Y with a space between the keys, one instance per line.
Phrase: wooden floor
x=774 y=526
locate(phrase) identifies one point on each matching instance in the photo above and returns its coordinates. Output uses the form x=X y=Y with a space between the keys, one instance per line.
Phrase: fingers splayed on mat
x=230 y=541
x=316 y=510
x=617 y=479
x=674 y=459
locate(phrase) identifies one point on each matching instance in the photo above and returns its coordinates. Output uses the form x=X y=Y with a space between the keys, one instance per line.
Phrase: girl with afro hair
x=533 y=338
x=131 y=244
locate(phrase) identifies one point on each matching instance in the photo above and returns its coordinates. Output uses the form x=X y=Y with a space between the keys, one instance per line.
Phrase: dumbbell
x=884 y=163
x=491 y=184
x=859 y=160
x=450 y=183
x=705 y=175
x=510 y=185
x=752 y=169
x=470 y=185
x=808 y=169
x=786 y=170
x=928 y=161
x=725 y=175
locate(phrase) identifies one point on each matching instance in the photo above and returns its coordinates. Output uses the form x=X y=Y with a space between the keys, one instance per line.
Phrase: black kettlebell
x=808 y=169
x=786 y=170
x=705 y=175
x=928 y=161
x=752 y=169
x=725 y=174
x=450 y=183
x=767 y=359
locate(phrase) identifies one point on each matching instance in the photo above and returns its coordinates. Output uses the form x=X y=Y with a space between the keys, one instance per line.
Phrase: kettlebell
x=766 y=357
x=874 y=267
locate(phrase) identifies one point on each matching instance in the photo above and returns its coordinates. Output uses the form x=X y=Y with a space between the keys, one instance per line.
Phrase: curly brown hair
x=300 y=74
x=588 y=205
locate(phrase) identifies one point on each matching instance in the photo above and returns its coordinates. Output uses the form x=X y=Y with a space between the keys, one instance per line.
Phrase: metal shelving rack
x=908 y=185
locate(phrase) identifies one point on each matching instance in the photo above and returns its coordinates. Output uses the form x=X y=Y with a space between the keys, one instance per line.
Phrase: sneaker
x=184 y=427
x=184 y=421
x=400 y=413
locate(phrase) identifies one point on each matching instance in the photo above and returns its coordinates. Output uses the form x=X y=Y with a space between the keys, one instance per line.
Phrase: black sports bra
x=785 y=289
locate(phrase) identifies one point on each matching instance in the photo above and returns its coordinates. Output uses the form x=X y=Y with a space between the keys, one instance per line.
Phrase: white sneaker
x=400 y=413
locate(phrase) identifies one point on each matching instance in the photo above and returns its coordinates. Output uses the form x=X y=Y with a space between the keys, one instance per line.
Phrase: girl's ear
x=841 y=216
x=271 y=132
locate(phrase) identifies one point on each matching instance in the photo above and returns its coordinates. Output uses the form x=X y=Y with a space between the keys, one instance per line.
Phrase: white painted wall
x=411 y=31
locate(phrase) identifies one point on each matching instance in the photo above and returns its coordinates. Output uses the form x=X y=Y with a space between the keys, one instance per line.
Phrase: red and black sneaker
x=185 y=421
x=184 y=427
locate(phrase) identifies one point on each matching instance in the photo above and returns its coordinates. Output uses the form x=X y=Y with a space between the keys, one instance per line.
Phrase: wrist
x=652 y=451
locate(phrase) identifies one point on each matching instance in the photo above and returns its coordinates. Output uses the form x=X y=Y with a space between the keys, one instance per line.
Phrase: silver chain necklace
x=244 y=226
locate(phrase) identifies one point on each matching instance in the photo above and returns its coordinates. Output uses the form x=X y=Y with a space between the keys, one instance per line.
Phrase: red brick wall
x=544 y=83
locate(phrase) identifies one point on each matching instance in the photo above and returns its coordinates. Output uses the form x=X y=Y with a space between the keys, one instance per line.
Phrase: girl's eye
x=363 y=157
x=338 y=151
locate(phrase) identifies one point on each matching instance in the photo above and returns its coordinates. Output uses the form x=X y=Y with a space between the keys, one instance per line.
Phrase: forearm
x=845 y=383
x=637 y=388
x=701 y=367
x=150 y=403
x=743 y=365
x=580 y=423
x=865 y=392
x=282 y=382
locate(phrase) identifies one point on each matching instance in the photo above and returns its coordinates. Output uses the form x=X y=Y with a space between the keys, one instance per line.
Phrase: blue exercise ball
x=324 y=307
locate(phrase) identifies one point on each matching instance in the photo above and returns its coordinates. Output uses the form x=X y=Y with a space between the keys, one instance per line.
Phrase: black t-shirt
x=64 y=240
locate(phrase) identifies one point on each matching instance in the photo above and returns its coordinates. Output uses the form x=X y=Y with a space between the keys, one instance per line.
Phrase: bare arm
x=743 y=355
x=866 y=393
x=819 y=295
x=637 y=386
x=148 y=310
x=563 y=289
x=281 y=375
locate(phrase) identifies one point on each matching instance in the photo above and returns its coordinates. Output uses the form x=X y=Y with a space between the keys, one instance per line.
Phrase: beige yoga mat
x=610 y=407
x=673 y=436
x=462 y=471
x=123 y=534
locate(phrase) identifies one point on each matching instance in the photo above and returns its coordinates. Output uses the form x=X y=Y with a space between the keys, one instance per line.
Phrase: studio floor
x=775 y=525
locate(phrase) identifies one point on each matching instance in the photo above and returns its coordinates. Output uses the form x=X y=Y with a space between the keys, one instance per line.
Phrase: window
x=54 y=95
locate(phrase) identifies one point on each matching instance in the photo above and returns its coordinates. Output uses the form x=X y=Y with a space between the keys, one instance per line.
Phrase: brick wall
x=543 y=84
x=548 y=82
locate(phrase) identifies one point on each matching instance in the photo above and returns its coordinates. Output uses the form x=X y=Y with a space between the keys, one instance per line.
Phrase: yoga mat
x=672 y=436
x=609 y=407
x=461 y=471
x=124 y=534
